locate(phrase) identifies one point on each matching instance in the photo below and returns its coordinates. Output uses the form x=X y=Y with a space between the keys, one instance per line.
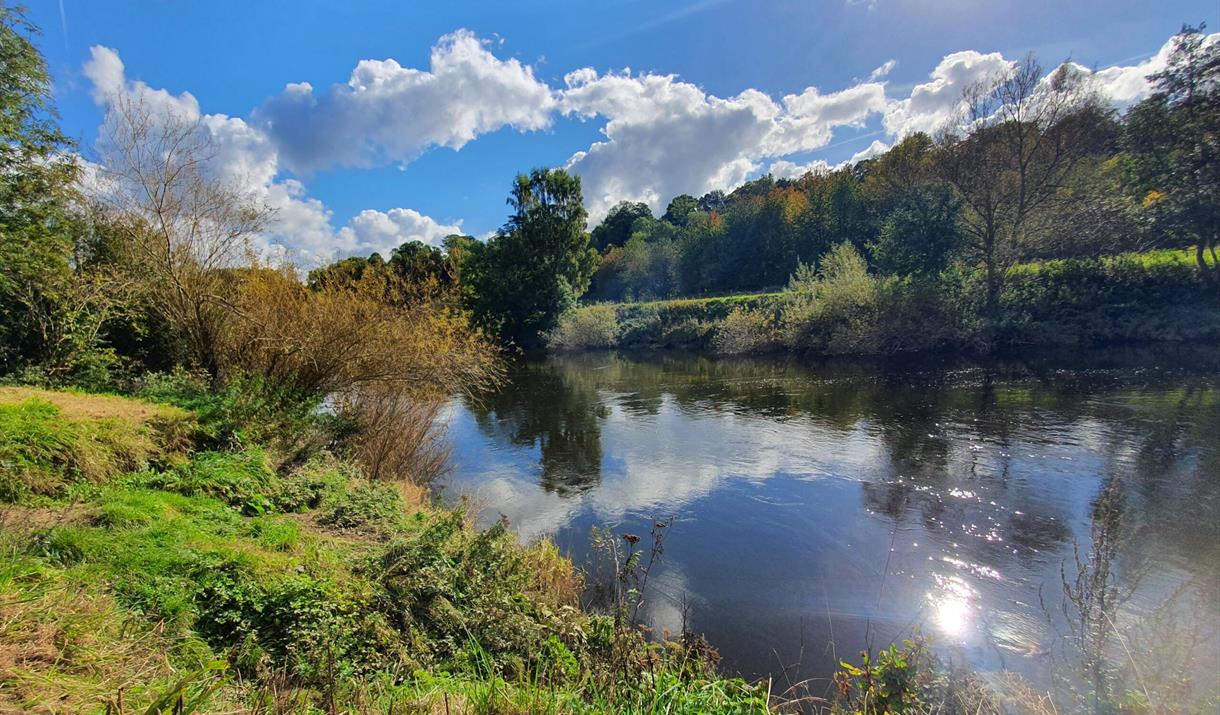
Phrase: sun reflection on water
x=953 y=605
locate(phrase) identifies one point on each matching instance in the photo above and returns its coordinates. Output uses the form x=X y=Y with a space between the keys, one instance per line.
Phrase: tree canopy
x=538 y=264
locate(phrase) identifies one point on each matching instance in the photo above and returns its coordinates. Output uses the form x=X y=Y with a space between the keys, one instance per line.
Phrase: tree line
x=1034 y=167
x=151 y=264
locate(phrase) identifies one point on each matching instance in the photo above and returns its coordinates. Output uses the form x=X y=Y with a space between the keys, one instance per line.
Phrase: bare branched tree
x=184 y=226
x=1010 y=155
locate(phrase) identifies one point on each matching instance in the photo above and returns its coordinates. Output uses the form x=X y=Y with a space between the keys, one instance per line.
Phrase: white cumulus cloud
x=1128 y=85
x=246 y=157
x=935 y=102
x=370 y=229
x=390 y=113
x=877 y=148
x=661 y=136
x=666 y=137
x=784 y=169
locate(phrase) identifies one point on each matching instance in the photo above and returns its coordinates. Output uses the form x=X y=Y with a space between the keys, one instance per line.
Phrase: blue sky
x=440 y=144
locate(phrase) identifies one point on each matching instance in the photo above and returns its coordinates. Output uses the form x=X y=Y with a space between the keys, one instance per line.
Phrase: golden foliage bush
x=388 y=365
x=337 y=339
x=590 y=327
x=745 y=331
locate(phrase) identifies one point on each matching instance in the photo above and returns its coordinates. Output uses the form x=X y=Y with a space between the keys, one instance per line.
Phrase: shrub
x=336 y=338
x=395 y=435
x=1151 y=296
x=585 y=328
x=451 y=586
x=917 y=315
x=686 y=334
x=835 y=311
x=242 y=479
x=246 y=410
x=745 y=331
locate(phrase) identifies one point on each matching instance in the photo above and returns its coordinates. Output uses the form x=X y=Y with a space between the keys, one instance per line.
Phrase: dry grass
x=65 y=648
x=82 y=406
x=50 y=439
x=555 y=581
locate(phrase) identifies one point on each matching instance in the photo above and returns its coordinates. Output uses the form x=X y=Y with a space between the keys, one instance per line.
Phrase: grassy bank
x=155 y=558
x=1152 y=296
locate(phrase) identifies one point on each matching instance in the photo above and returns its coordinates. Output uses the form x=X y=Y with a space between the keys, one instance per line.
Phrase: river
x=824 y=507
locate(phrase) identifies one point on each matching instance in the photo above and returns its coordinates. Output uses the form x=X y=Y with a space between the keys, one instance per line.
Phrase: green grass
x=50 y=441
x=219 y=579
x=67 y=646
x=733 y=300
x=1156 y=261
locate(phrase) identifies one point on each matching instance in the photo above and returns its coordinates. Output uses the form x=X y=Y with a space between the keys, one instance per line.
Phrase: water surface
x=825 y=508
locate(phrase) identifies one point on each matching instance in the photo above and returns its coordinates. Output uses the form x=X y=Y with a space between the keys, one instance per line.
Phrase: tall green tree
x=37 y=174
x=539 y=263
x=916 y=215
x=1172 y=142
x=679 y=210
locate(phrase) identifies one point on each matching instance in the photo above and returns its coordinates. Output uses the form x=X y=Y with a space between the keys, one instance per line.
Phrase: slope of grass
x=51 y=440
x=216 y=582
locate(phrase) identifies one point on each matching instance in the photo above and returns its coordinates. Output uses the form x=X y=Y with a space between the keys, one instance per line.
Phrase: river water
x=826 y=507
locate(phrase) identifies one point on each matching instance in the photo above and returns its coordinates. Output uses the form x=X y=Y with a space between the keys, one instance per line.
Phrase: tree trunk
x=1210 y=273
x=992 y=307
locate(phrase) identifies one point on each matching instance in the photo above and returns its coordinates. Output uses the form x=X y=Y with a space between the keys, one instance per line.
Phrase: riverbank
x=184 y=549
x=182 y=554
x=1139 y=297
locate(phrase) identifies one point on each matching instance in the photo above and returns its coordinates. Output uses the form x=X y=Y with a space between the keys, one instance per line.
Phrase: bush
x=745 y=331
x=586 y=328
x=836 y=310
x=336 y=338
x=245 y=410
x=1151 y=296
x=395 y=435
x=242 y=480
x=306 y=626
x=451 y=587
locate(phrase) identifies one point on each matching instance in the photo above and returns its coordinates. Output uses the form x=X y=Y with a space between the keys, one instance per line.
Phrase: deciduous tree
x=183 y=226
x=1009 y=155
